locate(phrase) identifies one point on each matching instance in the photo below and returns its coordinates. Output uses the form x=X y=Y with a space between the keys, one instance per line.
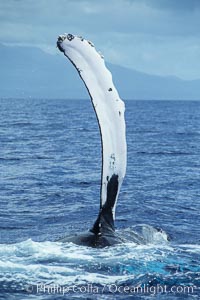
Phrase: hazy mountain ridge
x=30 y=72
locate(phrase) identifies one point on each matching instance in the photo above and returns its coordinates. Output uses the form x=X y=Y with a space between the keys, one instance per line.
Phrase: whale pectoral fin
x=109 y=110
x=105 y=220
x=104 y=223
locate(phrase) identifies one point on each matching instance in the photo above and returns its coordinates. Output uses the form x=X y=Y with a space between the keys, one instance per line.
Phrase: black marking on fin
x=59 y=46
x=105 y=221
x=112 y=189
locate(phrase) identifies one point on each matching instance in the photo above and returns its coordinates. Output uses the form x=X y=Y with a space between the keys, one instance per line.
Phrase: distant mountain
x=30 y=72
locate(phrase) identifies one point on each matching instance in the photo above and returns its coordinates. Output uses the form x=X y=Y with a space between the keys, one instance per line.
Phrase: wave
x=27 y=158
x=166 y=153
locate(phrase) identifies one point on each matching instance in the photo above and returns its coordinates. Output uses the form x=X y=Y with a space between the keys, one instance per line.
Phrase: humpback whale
x=109 y=109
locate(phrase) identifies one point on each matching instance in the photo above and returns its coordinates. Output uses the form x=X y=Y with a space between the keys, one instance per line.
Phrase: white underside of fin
x=108 y=106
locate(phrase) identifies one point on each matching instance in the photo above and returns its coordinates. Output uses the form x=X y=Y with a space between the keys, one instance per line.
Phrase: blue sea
x=50 y=164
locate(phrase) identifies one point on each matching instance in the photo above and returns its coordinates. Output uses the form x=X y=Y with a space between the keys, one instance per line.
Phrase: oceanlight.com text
x=109 y=288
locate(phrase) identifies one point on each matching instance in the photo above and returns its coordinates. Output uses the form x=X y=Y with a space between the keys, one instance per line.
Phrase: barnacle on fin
x=90 y=43
x=70 y=37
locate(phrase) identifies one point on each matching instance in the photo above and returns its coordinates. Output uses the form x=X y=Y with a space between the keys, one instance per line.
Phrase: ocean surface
x=50 y=164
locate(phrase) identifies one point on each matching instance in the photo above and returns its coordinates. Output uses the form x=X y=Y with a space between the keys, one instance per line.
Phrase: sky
x=160 y=37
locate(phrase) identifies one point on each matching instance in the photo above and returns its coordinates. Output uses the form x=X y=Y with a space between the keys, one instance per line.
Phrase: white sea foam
x=28 y=265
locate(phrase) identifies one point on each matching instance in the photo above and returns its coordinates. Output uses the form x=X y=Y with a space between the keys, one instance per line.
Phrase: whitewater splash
x=40 y=268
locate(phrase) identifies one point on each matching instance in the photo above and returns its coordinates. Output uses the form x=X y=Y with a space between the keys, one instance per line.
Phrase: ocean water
x=50 y=163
